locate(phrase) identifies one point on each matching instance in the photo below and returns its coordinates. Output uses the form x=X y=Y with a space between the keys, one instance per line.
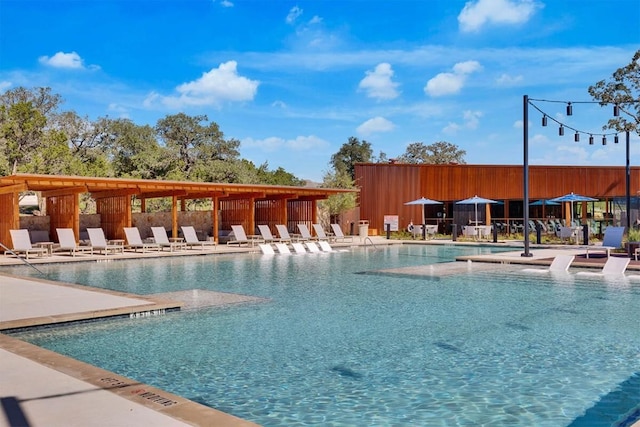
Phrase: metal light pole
x=628 y=183
x=525 y=172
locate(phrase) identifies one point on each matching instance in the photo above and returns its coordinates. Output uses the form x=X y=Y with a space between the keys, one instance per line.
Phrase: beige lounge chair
x=559 y=263
x=283 y=233
x=312 y=246
x=134 y=241
x=325 y=246
x=614 y=266
x=22 y=244
x=100 y=244
x=266 y=234
x=612 y=240
x=283 y=248
x=161 y=238
x=321 y=234
x=299 y=248
x=67 y=240
x=191 y=238
x=337 y=231
x=305 y=233
x=240 y=237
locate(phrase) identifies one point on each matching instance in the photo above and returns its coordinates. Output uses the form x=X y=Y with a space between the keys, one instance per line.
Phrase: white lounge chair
x=283 y=233
x=161 y=238
x=282 y=248
x=325 y=246
x=22 y=244
x=265 y=232
x=312 y=247
x=67 y=240
x=614 y=266
x=321 y=234
x=266 y=248
x=305 y=233
x=559 y=263
x=612 y=240
x=191 y=238
x=134 y=241
x=299 y=248
x=337 y=232
x=100 y=244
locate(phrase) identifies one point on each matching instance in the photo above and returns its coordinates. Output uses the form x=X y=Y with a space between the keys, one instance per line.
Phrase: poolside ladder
x=22 y=259
x=371 y=242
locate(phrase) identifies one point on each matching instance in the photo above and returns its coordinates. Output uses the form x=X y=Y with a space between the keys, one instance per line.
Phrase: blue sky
x=293 y=80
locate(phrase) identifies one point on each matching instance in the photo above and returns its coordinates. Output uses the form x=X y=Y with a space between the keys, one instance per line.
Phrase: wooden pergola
x=245 y=204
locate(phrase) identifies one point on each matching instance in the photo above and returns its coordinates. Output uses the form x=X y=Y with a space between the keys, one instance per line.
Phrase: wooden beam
x=203 y=195
x=159 y=194
x=280 y=196
x=114 y=193
x=247 y=196
x=64 y=192
x=17 y=188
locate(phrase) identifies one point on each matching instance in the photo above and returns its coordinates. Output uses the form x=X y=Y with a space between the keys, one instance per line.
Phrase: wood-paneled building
x=386 y=187
x=231 y=204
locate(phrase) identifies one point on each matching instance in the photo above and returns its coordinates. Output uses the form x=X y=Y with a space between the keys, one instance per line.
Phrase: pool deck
x=39 y=387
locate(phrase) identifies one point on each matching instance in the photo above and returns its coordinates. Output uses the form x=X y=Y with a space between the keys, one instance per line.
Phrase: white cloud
x=377 y=124
x=62 y=60
x=472 y=119
x=476 y=14
x=378 y=83
x=293 y=14
x=315 y=20
x=226 y=3
x=507 y=80
x=274 y=143
x=4 y=85
x=451 y=83
x=213 y=88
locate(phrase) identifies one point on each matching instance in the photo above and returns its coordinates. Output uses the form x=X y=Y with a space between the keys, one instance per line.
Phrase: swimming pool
x=337 y=343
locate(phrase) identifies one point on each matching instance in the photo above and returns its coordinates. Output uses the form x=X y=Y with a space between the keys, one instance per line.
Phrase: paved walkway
x=42 y=388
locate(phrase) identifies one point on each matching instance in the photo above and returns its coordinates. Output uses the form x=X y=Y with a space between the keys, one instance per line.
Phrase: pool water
x=337 y=344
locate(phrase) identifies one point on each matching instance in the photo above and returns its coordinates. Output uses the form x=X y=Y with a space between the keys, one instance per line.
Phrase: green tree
x=338 y=203
x=194 y=142
x=134 y=150
x=21 y=129
x=87 y=141
x=437 y=153
x=623 y=90
x=352 y=152
x=277 y=177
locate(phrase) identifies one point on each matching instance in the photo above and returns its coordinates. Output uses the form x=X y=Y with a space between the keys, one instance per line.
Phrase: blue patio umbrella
x=475 y=200
x=572 y=197
x=543 y=202
x=424 y=202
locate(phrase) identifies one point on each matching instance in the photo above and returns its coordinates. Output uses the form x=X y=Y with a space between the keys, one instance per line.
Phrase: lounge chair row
x=240 y=236
x=561 y=263
x=298 y=247
x=99 y=244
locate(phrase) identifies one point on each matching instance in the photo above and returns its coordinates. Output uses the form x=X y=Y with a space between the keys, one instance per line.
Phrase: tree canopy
x=440 y=152
x=352 y=152
x=622 y=90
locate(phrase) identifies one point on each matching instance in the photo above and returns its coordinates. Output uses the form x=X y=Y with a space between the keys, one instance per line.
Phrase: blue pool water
x=338 y=344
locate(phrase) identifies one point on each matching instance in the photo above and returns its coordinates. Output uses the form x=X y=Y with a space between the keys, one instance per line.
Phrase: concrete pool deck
x=39 y=387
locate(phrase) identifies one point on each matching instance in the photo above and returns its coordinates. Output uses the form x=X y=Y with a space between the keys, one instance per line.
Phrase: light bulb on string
x=569 y=109
x=561 y=130
x=576 y=137
x=544 y=120
x=590 y=139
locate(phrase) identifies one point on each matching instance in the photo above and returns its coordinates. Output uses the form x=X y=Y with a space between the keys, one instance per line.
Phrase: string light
x=590 y=139
x=615 y=139
x=561 y=130
x=616 y=110
x=576 y=137
x=569 y=109
x=544 y=120
x=604 y=139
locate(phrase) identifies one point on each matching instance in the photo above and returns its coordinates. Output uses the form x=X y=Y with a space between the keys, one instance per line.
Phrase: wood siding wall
x=63 y=211
x=9 y=212
x=384 y=188
x=115 y=213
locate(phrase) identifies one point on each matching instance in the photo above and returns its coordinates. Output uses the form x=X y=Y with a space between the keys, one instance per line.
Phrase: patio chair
x=266 y=248
x=325 y=246
x=282 y=248
x=240 y=237
x=612 y=240
x=305 y=233
x=100 y=243
x=22 y=244
x=321 y=234
x=191 y=238
x=559 y=263
x=283 y=233
x=614 y=266
x=68 y=242
x=313 y=248
x=265 y=232
x=161 y=238
x=337 y=231
x=470 y=231
x=298 y=248
x=134 y=241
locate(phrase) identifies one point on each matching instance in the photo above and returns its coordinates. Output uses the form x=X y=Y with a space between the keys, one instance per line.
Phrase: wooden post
x=214 y=217
x=174 y=217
